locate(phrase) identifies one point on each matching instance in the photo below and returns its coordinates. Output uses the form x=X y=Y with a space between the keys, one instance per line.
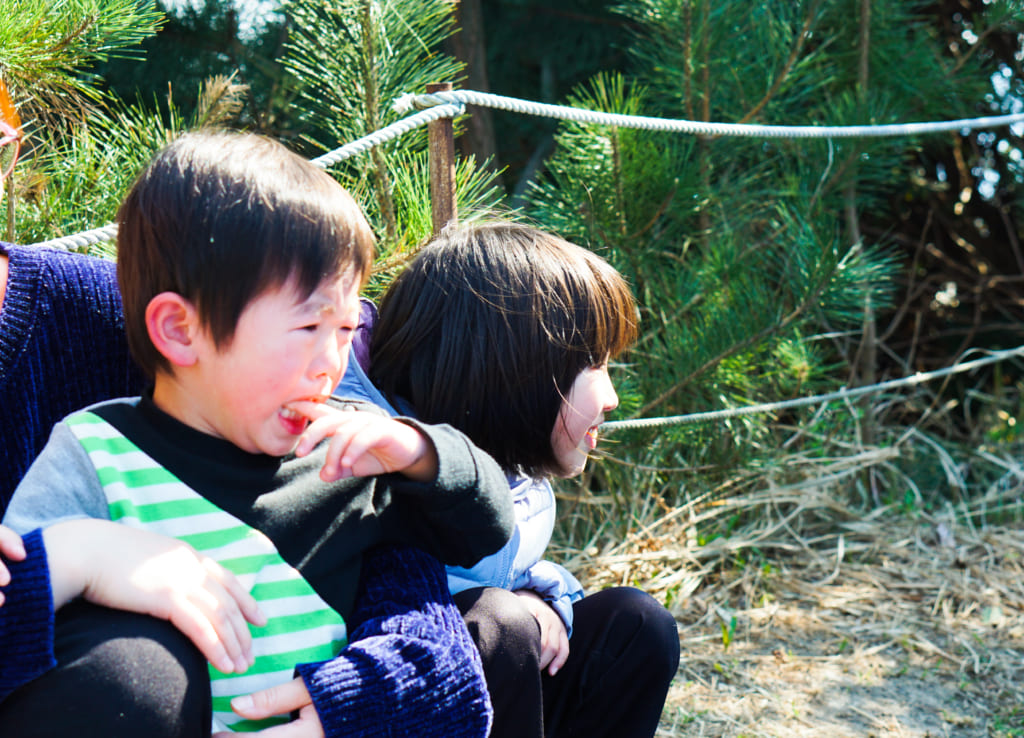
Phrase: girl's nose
x=611 y=398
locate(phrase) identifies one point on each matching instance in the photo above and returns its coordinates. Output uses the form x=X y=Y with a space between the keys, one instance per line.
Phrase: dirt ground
x=879 y=628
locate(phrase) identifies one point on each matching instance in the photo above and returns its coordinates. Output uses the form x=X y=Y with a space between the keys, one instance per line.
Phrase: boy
x=239 y=265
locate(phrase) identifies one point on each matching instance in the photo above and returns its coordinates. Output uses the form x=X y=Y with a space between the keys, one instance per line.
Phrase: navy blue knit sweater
x=26 y=619
x=62 y=347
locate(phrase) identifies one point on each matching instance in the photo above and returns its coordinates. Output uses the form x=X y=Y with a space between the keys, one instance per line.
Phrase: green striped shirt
x=300 y=627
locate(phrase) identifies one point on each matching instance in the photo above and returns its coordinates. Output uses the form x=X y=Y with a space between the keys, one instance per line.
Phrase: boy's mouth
x=293 y=421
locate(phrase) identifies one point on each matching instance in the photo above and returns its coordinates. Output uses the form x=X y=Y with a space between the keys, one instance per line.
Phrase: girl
x=505 y=332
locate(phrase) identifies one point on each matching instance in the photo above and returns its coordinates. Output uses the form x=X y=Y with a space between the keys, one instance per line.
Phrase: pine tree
x=756 y=279
x=350 y=61
x=82 y=145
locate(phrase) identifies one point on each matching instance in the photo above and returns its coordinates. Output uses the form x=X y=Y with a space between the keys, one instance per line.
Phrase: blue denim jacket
x=518 y=565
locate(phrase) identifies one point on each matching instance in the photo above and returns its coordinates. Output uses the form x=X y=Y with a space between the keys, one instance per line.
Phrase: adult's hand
x=136 y=570
x=11 y=548
x=280 y=700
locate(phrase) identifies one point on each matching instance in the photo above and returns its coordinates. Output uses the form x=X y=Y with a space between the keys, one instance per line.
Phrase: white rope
x=399 y=128
x=367 y=142
x=581 y=115
x=842 y=394
x=450 y=104
x=85 y=238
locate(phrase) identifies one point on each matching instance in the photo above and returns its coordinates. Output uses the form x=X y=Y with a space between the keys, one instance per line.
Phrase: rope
x=387 y=133
x=450 y=104
x=580 y=115
x=367 y=142
x=842 y=394
x=85 y=238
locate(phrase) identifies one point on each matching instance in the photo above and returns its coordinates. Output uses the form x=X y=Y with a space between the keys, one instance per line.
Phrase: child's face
x=285 y=348
x=575 y=433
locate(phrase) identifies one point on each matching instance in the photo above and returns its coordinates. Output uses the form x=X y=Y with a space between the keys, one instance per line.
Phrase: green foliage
x=84 y=177
x=350 y=61
x=748 y=257
x=200 y=40
x=72 y=171
x=48 y=50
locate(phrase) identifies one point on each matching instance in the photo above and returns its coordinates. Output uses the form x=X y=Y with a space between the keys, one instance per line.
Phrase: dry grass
x=819 y=620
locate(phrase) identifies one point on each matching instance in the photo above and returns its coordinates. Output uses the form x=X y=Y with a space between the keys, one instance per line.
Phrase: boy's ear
x=172 y=323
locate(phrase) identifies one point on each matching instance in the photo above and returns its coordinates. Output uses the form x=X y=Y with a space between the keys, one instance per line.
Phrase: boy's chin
x=279 y=446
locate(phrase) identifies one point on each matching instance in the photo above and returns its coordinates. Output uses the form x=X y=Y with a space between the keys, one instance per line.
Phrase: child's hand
x=365 y=444
x=12 y=548
x=130 y=569
x=554 y=640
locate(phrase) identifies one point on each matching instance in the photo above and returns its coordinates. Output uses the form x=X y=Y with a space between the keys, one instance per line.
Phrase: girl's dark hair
x=489 y=326
x=220 y=218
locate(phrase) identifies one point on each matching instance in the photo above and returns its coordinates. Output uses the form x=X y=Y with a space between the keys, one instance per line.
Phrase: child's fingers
x=349 y=453
x=357 y=457
x=203 y=600
x=317 y=430
x=247 y=604
x=217 y=622
x=563 y=652
x=549 y=648
x=326 y=421
x=11 y=545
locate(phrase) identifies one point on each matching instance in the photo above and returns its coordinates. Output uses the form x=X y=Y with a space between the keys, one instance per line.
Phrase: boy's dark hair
x=488 y=328
x=222 y=217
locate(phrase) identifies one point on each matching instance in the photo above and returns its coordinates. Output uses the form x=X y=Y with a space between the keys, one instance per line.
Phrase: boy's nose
x=332 y=361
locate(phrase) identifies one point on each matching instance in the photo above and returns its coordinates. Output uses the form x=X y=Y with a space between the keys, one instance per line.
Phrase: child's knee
x=642 y=627
x=657 y=632
x=503 y=629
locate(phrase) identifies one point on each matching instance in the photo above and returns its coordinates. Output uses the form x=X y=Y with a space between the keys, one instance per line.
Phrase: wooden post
x=441 y=138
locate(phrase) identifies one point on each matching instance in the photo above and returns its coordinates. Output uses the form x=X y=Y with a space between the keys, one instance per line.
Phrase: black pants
x=623 y=654
x=119 y=675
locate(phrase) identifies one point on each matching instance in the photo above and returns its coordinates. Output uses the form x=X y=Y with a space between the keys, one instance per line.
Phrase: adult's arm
x=123 y=568
x=26 y=618
x=410 y=667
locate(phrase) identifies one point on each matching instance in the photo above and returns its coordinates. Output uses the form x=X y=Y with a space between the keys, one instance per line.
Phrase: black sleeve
x=466 y=513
